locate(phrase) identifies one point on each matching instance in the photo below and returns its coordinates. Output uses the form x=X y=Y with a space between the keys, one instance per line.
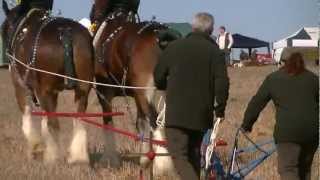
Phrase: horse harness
x=116 y=31
x=20 y=33
x=18 y=36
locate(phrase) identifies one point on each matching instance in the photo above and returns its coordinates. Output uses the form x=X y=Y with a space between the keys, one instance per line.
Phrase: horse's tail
x=82 y=54
x=5 y=7
x=67 y=42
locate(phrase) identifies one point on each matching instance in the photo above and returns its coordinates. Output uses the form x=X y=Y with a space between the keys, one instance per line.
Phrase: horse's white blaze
x=51 y=151
x=162 y=164
x=79 y=144
x=29 y=129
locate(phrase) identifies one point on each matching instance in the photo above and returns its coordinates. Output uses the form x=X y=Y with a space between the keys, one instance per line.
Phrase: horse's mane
x=150 y=26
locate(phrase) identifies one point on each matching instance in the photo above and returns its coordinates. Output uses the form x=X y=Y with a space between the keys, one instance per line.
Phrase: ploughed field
x=14 y=163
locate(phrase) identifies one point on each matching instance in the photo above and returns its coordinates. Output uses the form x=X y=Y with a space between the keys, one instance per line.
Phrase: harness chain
x=19 y=27
x=124 y=78
x=47 y=20
x=102 y=27
x=32 y=98
x=146 y=26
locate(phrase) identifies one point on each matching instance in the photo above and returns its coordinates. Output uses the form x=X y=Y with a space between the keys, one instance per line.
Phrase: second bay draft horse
x=56 y=45
x=126 y=53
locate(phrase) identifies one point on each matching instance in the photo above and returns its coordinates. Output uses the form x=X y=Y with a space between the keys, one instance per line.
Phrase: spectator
x=295 y=93
x=194 y=75
x=225 y=42
x=254 y=55
x=243 y=55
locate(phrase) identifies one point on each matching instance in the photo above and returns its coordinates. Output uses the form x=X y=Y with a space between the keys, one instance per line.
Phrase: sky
x=268 y=20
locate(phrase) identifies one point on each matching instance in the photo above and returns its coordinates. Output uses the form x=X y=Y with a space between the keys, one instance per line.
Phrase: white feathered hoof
x=51 y=147
x=36 y=152
x=79 y=147
x=163 y=165
x=31 y=133
x=145 y=160
x=51 y=153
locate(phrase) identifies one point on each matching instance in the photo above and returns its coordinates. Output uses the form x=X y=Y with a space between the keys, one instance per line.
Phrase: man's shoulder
x=275 y=75
x=209 y=42
x=203 y=42
x=175 y=44
x=312 y=76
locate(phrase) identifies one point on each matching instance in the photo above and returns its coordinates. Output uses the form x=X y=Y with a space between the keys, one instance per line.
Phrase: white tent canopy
x=306 y=41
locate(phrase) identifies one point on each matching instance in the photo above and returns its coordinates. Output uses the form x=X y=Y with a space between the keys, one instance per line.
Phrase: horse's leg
x=162 y=165
x=147 y=113
x=49 y=126
x=79 y=144
x=105 y=95
x=29 y=128
x=83 y=60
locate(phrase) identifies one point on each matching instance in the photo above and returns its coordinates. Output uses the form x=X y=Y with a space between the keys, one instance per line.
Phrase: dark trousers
x=227 y=57
x=184 y=146
x=295 y=160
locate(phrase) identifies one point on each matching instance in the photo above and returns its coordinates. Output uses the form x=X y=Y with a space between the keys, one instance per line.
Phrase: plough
x=214 y=169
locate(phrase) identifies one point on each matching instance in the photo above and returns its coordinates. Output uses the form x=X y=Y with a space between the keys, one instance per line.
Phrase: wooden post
x=150 y=150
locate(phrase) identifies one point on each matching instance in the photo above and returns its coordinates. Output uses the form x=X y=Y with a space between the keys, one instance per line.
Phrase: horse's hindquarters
x=47 y=51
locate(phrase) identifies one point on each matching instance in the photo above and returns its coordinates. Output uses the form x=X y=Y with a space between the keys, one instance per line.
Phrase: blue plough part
x=216 y=169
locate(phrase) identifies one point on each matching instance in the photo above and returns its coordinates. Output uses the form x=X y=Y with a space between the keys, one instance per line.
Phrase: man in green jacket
x=193 y=73
x=295 y=94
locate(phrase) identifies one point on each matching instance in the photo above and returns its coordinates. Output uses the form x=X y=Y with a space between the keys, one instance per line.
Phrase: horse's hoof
x=145 y=162
x=113 y=161
x=38 y=152
x=50 y=157
x=82 y=160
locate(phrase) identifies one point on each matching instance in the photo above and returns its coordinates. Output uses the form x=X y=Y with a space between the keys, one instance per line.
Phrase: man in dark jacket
x=194 y=75
x=295 y=93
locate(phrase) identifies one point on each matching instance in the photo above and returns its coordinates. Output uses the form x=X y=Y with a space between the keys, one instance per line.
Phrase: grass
x=14 y=163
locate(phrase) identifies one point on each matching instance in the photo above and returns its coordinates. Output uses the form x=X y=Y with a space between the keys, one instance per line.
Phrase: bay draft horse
x=38 y=43
x=126 y=53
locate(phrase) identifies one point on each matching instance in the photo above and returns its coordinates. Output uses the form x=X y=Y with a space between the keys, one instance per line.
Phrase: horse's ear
x=5 y=7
